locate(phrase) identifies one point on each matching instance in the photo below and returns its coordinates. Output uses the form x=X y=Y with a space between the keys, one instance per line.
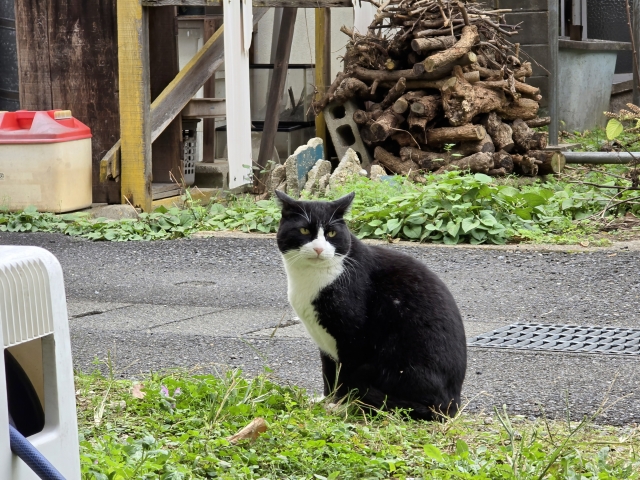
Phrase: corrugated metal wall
x=9 y=96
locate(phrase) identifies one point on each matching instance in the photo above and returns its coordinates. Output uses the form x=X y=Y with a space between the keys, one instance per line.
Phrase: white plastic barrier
x=35 y=329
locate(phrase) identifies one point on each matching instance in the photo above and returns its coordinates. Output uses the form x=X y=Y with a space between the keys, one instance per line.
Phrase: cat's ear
x=284 y=200
x=343 y=204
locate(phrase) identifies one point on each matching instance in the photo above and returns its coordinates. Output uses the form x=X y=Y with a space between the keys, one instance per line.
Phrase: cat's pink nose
x=318 y=250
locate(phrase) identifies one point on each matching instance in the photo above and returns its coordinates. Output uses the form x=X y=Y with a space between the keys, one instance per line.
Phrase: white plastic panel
x=25 y=304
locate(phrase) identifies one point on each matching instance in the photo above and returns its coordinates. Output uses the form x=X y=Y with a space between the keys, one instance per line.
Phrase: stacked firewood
x=438 y=86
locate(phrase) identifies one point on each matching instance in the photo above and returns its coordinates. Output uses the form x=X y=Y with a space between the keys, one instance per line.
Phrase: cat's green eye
x=305 y=231
x=332 y=233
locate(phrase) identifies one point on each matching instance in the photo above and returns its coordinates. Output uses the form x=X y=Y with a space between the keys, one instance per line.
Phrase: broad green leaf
x=533 y=199
x=481 y=177
x=469 y=224
x=614 y=128
x=453 y=228
x=433 y=453
x=412 y=231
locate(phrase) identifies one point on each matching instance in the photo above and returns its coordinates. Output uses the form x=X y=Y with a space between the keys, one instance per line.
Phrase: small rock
x=348 y=167
x=319 y=170
x=488 y=421
x=300 y=163
x=114 y=212
x=376 y=172
x=323 y=182
x=278 y=175
x=363 y=173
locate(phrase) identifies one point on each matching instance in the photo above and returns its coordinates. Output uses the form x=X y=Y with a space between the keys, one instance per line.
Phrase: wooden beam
x=163 y=67
x=278 y=80
x=190 y=79
x=256 y=3
x=205 y=108
x=135 y=125
x=323 y=68
x=209 y=125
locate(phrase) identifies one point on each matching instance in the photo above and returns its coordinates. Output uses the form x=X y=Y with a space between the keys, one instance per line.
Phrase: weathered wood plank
x=163 y=65
x=205 y=108
x=323 y=67
x=32 y=39
x=208 y=128
x=68 y=63
x=135 y=125
x=272 y=116
x=256 y=3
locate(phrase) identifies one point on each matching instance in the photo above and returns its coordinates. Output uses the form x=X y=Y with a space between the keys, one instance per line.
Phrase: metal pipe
x=553 y=69
x=600 y=158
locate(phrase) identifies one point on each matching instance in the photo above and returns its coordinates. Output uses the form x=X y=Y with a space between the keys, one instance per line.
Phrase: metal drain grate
x=562 y=338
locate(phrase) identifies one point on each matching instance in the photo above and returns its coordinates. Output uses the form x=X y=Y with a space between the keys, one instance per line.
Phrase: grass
x=596 y=140
x=174 y=426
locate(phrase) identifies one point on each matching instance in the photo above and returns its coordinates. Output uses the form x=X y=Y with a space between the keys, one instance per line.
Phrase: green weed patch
x=450 y=208
x=176 y=427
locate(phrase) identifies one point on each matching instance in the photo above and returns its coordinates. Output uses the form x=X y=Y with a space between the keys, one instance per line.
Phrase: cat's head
x=313 y=233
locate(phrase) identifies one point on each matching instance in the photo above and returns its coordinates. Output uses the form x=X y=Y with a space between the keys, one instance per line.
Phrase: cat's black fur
x=399 y=334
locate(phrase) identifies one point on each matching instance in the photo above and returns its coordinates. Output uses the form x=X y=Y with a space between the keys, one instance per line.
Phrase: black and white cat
x=386 y=326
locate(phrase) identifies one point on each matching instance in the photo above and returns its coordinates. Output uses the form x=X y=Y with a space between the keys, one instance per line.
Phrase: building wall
x=9 y=91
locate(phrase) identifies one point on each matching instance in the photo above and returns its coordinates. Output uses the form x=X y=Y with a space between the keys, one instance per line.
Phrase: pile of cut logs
x=438 y=86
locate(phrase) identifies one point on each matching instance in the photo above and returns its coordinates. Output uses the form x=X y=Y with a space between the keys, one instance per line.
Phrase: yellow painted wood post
x=323 y=67
x=135 y=125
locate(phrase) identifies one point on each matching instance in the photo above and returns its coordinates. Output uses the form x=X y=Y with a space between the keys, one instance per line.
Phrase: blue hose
x=32 y=457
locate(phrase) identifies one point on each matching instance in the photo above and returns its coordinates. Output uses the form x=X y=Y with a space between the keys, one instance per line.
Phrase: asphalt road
x=209 y=304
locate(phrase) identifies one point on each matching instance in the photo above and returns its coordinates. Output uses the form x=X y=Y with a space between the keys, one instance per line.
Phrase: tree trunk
x=523 y=108
x=417 y=126
x=471 y=77
x=467 y=40
x=385 y=126
x=441 y=136
x=551 y=162
x=476 y=163
x=396 y=165
x=501 y=133
x=361 y=117
x=427 y=107
x=538 y=122
x=394 y=93
x=400 y=106
x=520 y=87
x=405 y=139
x=526 y=139
x=525 y=70
x=462 y=101
x=424 y=45
x=425 y=160
x=525 y=165
x=502 y=160
x=468 y=148
x=349 y=88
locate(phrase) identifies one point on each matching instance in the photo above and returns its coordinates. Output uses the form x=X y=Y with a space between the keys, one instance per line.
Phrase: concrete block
x=344 y=131
x=212 y=175
x=300 y=163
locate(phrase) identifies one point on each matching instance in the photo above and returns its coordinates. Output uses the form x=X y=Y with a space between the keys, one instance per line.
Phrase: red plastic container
x=45 y=161
x=25 y=126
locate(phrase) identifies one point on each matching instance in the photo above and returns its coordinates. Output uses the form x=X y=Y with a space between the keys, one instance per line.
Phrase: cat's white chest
x=304 y=286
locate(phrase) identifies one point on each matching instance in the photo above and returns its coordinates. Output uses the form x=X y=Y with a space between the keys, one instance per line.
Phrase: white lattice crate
x=35 y=330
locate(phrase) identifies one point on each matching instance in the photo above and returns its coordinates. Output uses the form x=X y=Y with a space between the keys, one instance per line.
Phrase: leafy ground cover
x=450 y=208
x=175 y=426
